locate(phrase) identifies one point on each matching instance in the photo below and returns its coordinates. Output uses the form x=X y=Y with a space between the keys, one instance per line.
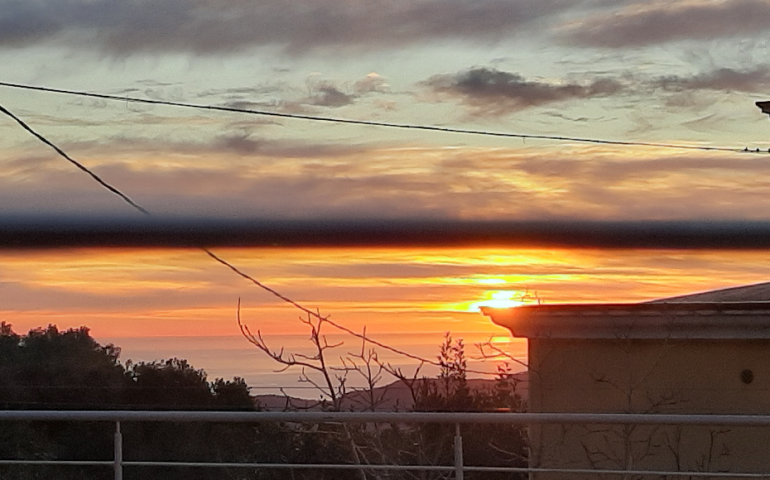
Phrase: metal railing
x=457 y=419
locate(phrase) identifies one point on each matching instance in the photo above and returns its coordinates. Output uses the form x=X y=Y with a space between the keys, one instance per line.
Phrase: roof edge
x=702 y=320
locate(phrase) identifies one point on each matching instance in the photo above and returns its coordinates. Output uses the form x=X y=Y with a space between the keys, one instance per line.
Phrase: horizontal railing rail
x=387 y=417
x=457 y=419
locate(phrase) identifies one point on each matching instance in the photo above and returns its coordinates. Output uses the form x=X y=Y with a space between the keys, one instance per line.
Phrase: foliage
x=502 y=445
x=171 y=384
x=52 y=369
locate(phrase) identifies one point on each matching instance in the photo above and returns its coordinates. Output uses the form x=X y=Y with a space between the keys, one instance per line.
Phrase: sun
x=498 y=299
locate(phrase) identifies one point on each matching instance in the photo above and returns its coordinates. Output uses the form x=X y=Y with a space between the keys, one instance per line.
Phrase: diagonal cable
x=212 y=254
x=316 y=314
x=75 y=162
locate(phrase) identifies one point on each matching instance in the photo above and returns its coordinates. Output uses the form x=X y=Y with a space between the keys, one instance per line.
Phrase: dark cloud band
x=496 y=92
x=722 y=79
x=492 y=92
x=671 y=21
x=212 y=26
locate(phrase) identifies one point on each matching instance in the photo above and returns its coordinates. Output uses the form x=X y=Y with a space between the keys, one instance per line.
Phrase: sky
x=675 y=72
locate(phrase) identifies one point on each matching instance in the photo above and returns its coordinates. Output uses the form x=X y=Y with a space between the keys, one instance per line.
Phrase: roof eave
x=707 y=321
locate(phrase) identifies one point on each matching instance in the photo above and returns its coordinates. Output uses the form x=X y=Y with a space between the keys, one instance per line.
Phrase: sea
x=234 y=356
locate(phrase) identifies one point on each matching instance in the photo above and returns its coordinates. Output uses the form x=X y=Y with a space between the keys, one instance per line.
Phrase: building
x=707 y=353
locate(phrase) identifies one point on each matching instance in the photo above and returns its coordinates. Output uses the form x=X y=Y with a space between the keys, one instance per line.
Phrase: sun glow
x=491 y=281
x=500 y=340
x=499 y=299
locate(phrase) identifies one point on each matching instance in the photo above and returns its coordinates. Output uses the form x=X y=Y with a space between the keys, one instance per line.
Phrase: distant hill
x=278 y=403
x=392 y=397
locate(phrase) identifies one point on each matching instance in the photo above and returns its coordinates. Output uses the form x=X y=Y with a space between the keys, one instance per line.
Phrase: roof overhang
x=764 y=106
x=704 y=321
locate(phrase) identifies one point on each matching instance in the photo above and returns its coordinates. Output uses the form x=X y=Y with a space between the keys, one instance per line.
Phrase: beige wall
x=649 y=376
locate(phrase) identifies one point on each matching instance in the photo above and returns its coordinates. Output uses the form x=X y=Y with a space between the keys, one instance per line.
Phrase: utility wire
x=222 y=261
x=74 y=162
x=324 y=318
x=404 y=126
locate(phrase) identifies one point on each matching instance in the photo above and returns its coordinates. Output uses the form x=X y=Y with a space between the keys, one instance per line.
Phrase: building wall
x=650 y=376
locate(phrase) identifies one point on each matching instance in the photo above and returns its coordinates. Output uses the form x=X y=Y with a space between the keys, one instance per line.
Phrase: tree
x=171 y=384
x=49 y=369
x=503 y=445
x=88 y=375
x=53 y=369
x=398 y=443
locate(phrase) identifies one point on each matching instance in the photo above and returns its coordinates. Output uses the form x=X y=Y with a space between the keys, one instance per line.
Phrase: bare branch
x=497 y=352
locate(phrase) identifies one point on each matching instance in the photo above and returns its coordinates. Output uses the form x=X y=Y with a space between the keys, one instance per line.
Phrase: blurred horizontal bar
x=495 y=418
x=43 y=232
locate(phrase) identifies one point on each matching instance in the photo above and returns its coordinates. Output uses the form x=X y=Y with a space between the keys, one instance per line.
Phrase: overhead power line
x=79 y=165
x=371 y=123
x=217 y=258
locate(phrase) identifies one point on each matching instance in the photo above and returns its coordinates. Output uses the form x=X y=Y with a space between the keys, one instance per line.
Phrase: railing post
x=459 y=471
x=118 y=452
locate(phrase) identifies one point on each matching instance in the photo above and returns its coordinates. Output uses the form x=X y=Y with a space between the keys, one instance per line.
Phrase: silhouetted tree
x=48 y=368
x=498 y=445
x=53 y=369
x=58 y=370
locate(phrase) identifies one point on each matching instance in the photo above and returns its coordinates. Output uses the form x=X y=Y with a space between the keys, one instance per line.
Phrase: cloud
x=243 y=144
x=275 y=105
x=370 y=84
x=23 y=22
x=722 y=79
x=327 y=95
x=662 y=22
x=242 y=91
x=243 y=191
x=611 y=172
x=214 y=27
x=248 y=176
x=247 y=145
x=494 y=92
x=266 y=95
x=285 y=98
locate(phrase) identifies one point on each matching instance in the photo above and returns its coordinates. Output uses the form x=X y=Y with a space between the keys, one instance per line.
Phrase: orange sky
x=179 y=303
x=137 y=293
